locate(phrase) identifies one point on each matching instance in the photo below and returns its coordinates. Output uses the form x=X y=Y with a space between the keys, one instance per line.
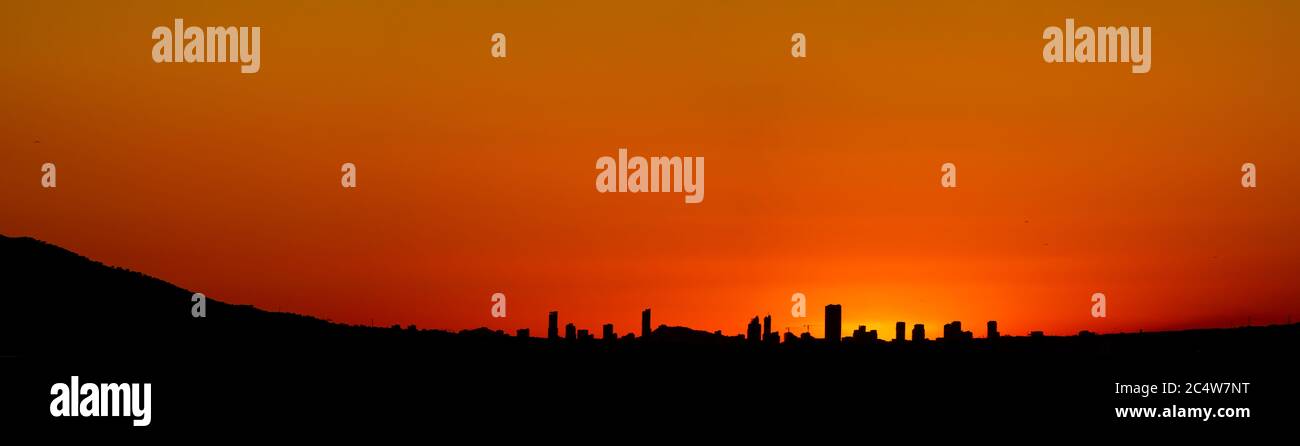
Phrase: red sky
x=476 y=174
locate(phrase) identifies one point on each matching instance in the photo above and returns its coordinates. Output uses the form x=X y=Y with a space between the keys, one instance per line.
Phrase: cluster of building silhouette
x=761 y=331
x=572 y=332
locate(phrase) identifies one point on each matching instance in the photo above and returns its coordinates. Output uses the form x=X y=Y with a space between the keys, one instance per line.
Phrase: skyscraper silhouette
x=754 y=331
x=993 y=330
x=953 y=332
x=833 y=315
x=918 y=332
x=570 y=331
x=607 y=332
x=767 y=327
x=553 y=325
x=645 y=322
x=900 y=331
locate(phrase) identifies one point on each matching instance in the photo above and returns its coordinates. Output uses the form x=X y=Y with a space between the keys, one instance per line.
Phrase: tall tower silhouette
x=570 y=331
x=900 y=331
x=607 y=332
x=918 y=332
x=754 y=330
x=645 y=322
x=833 y=315
x=553 y=325
x=993 y=330
x=767 y=327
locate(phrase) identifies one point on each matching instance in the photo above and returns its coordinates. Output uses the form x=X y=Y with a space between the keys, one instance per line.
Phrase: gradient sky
x=477 y=175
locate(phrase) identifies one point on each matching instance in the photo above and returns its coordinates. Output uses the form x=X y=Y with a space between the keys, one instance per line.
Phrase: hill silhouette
x=61 y=298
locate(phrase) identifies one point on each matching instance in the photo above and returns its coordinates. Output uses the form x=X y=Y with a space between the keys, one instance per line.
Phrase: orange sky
x=476 y=174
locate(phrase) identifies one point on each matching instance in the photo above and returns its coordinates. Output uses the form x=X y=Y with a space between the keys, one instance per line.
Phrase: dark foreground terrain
x=241 y=369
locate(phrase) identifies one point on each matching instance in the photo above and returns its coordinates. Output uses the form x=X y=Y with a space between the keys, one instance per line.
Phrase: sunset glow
x=475 y=175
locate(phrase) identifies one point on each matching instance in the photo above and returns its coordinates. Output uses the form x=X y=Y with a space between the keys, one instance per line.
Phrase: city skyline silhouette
x=759 y=330
x=67 y=315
